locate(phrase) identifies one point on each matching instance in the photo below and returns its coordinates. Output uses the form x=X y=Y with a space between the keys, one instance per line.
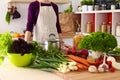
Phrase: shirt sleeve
x=57 y=14
x=31 y=20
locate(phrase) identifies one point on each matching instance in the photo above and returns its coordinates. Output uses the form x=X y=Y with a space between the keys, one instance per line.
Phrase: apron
x=46 y=24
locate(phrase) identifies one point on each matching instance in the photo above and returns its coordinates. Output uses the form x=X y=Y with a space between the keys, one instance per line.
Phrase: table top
x=10 y=72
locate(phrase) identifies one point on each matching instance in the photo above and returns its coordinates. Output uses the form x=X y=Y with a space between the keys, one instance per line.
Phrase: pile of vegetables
x=98 y=41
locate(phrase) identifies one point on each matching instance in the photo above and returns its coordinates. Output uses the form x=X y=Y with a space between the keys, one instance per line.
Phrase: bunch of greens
x=98 y=41
x=115 y=51
x=5 y=43
x=69 y=10
x=20 y=46
x=87 y=2
x=47 y=60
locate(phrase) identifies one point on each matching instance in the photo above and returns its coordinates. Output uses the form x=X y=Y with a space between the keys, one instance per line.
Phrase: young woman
x=43 y=20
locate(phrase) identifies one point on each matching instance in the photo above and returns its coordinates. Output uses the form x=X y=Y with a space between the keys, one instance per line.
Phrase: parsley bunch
x=98 y=41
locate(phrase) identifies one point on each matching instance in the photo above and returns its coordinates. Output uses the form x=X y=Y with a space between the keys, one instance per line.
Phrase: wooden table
x=9 y=72
x=85 y=75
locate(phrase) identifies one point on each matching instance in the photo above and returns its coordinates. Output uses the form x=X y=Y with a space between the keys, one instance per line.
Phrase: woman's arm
x=32 y=18
x=28 y=36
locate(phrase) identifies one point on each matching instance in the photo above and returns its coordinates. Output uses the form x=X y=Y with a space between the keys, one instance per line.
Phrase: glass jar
x=77 y=38
x=118 y=29
x=109 y=28
x=103 y=7
x=96 y=7
x=88 y=27
x=104 y=27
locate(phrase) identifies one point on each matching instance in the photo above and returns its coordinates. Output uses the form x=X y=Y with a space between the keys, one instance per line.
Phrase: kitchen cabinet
x=98 y=17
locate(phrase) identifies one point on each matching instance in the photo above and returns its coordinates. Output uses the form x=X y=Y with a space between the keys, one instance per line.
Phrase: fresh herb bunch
x=21 y=47
x=98 y=41
x=115 y=51
x=47 y=60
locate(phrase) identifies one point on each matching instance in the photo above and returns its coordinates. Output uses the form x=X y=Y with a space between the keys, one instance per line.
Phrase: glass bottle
x=109 y=28
x=118 y=29
x=77 y=38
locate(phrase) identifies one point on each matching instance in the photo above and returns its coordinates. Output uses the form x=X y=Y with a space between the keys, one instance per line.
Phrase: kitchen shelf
x=27 y=1
x=98 y=17
x=99 y=11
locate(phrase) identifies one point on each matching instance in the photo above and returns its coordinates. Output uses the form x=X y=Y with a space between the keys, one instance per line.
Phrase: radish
x=83 y=53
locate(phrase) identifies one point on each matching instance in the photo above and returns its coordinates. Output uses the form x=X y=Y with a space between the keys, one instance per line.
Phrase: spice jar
x=103 y=7
x=77 y=38
x=118 y=29
x=109 y=28
x=88 y=27
x=96 y=7
x=104 y=27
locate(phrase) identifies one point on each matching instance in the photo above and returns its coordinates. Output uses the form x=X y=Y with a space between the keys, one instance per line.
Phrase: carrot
x=79 y=59
x=91 y=62
x=81 y=66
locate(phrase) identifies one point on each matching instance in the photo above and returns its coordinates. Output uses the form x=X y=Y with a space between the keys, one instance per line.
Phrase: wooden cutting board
x=85 y=75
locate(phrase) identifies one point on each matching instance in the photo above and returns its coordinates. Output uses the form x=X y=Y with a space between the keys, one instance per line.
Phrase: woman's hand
x=64 y=46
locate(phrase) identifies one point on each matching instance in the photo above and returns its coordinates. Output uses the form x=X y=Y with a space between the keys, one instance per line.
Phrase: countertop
x=10 y=72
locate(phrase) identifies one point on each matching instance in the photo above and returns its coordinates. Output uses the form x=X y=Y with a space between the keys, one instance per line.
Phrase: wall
x=18 y=25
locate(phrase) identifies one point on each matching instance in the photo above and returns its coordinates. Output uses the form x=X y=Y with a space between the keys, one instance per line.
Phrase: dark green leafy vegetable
x=98 y=41
x=7 y=17
x=116 y=51
x=20 y=46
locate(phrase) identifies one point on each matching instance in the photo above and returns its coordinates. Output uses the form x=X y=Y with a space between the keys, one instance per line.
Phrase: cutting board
x=85 y=75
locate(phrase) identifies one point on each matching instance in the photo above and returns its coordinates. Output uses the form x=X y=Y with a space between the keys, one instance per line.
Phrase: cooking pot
x=52 y=41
